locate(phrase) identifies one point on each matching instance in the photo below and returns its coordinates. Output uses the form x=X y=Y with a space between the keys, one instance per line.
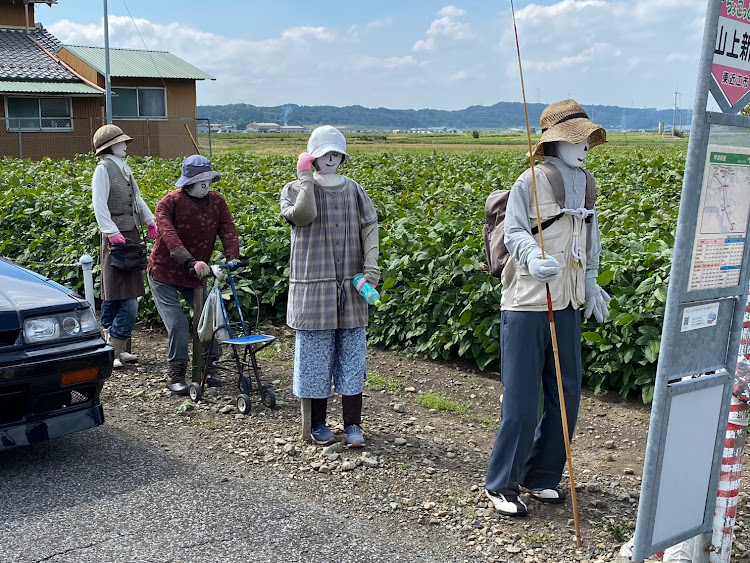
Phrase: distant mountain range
x=503 y=115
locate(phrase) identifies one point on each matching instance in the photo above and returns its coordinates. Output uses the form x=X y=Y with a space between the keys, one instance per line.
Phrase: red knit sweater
x=183 y=223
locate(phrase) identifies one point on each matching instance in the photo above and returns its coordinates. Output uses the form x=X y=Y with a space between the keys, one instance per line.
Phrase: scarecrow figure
x=334 y=238
x=120 y=211
x=530 y=455
x=190 y=219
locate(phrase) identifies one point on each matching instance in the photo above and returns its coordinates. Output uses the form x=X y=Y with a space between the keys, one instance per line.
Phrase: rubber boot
x=176 y=378
x=121 y=356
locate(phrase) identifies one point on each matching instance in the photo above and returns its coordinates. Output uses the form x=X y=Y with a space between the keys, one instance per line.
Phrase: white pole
x=88 y=280
x=107 y=80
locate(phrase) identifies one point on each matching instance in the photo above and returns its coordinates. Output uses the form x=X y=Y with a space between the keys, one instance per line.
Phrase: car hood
x=23 y=292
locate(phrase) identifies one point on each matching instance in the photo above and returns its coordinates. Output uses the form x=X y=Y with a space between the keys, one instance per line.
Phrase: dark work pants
x=527 y=452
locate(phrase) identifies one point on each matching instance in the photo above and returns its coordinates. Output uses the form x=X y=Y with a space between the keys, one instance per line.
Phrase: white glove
x=543 y=270
x=596 y=300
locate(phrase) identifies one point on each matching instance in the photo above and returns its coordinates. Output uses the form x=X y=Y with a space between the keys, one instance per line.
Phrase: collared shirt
x=100 y=195
x=326 y=254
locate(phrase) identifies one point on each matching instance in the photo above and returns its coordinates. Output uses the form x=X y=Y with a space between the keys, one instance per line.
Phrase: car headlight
x=60 y=326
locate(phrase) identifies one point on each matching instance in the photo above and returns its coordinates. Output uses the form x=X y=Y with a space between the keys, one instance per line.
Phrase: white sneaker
x=117 y=364
x=507 y=503
x=552 y=496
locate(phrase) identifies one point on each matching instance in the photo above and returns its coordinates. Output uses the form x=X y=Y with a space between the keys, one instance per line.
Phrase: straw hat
x=108 y=135
x=566 y=121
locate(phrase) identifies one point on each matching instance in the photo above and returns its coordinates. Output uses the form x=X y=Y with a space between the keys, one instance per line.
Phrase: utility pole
x=107 y=78
x=674 y=114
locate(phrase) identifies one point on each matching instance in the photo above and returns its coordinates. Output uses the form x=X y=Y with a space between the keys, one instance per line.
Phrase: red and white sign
x=731 y=62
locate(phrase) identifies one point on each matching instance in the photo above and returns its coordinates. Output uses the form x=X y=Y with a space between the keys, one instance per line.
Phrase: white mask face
x=119 y=149
x=199 y=189
x=573 y=154
x=329 y=162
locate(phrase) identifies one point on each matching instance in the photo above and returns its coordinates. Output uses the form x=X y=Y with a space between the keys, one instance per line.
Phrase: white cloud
x=599 y=50
x=459 y=76
x=447 y=27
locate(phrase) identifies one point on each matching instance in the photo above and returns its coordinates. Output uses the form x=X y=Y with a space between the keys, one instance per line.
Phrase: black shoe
x=213 y=379
x=176 y=378
x=507 y=503
x=178 y=387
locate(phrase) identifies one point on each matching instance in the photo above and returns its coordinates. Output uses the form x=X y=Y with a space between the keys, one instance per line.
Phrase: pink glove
x=117 y=239
x=304 y=162
x=201 y=269
x=153 y=230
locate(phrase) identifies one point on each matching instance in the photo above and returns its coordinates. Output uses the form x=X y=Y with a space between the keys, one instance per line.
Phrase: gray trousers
x=167 y=300
x=529 y=452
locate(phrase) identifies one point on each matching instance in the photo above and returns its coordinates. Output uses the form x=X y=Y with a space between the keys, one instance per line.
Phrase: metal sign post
x=706 y=298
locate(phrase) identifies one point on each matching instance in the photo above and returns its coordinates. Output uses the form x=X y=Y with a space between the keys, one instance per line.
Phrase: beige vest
x=521 y=292
x=121 y=199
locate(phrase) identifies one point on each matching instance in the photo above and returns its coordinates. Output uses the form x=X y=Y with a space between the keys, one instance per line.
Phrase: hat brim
x=322 y=150
x=210 y=176
x=572 y=131
x=111 y=142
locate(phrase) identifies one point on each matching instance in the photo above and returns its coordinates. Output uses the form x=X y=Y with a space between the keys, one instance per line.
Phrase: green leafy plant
x=437 y=301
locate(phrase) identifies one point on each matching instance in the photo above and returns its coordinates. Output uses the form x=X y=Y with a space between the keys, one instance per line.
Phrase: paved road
x=102 y=495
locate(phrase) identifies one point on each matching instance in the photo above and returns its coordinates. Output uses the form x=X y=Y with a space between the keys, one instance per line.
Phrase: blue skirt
x=323 y=356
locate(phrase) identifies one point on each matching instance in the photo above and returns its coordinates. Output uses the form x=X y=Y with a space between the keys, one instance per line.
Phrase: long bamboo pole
x=558 y=371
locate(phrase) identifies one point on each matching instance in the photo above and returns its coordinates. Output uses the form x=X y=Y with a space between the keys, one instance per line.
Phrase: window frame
x=12 y=123
x=140 y=117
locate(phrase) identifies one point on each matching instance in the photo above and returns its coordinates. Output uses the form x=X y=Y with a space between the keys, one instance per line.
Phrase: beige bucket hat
x=566 y=121
x=108 y=135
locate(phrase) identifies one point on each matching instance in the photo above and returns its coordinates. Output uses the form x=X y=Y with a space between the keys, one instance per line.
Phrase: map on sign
x=719 y=243
x=726 y=193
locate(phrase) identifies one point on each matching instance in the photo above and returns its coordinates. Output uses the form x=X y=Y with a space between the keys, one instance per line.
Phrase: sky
x=404 y=54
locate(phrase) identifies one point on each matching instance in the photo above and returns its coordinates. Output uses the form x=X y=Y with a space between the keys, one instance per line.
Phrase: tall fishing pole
x=556 y=353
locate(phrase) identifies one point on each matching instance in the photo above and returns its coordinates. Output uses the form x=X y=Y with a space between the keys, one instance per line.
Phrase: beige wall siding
x=87 y=118
x=180 y=93
x=14 y=14
x=80 y=67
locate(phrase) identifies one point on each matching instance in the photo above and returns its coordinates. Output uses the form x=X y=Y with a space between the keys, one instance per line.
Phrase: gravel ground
x=429 y=428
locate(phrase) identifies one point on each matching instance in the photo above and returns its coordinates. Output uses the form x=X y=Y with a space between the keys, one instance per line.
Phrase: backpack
x=494 y=216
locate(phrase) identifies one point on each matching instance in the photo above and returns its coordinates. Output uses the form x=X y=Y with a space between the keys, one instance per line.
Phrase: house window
x=139 y=102
x=39 y=114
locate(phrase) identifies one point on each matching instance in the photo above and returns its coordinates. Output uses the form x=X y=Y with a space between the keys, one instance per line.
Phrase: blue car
x=53 y=360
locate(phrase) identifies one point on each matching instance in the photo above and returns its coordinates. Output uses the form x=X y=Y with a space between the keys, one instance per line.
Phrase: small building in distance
x=263 y=128
x=293 y=129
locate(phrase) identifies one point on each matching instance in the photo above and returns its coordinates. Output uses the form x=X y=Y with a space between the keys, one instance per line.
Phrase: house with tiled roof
x=52 y=96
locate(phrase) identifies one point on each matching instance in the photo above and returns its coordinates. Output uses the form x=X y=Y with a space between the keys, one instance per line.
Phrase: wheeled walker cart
x=244 y=347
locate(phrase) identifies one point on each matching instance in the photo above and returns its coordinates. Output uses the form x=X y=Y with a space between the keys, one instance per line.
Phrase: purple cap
x=196 y=168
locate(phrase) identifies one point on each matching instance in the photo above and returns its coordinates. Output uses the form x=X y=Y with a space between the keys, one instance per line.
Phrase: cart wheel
x=196 y=394
x=269 y=398
x=243 y=403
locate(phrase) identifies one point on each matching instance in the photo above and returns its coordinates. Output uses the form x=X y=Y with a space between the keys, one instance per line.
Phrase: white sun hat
x=326 y=139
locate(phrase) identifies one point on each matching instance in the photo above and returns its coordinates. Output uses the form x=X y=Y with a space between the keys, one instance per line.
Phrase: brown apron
x=116 y=284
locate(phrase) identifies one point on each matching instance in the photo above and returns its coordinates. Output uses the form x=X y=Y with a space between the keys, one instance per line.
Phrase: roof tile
x=21 y=59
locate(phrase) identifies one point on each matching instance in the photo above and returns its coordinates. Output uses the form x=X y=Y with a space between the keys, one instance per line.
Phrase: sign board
x=705 y=306
x=731 y=59
x=719 y=241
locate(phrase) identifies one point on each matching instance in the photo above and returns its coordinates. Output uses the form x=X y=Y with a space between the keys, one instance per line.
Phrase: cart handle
x=231 y=266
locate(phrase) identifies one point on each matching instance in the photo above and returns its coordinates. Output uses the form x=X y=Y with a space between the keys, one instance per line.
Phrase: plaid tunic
x=325 y=257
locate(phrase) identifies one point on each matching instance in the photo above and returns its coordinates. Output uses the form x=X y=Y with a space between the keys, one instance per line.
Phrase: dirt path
x=430 y=427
